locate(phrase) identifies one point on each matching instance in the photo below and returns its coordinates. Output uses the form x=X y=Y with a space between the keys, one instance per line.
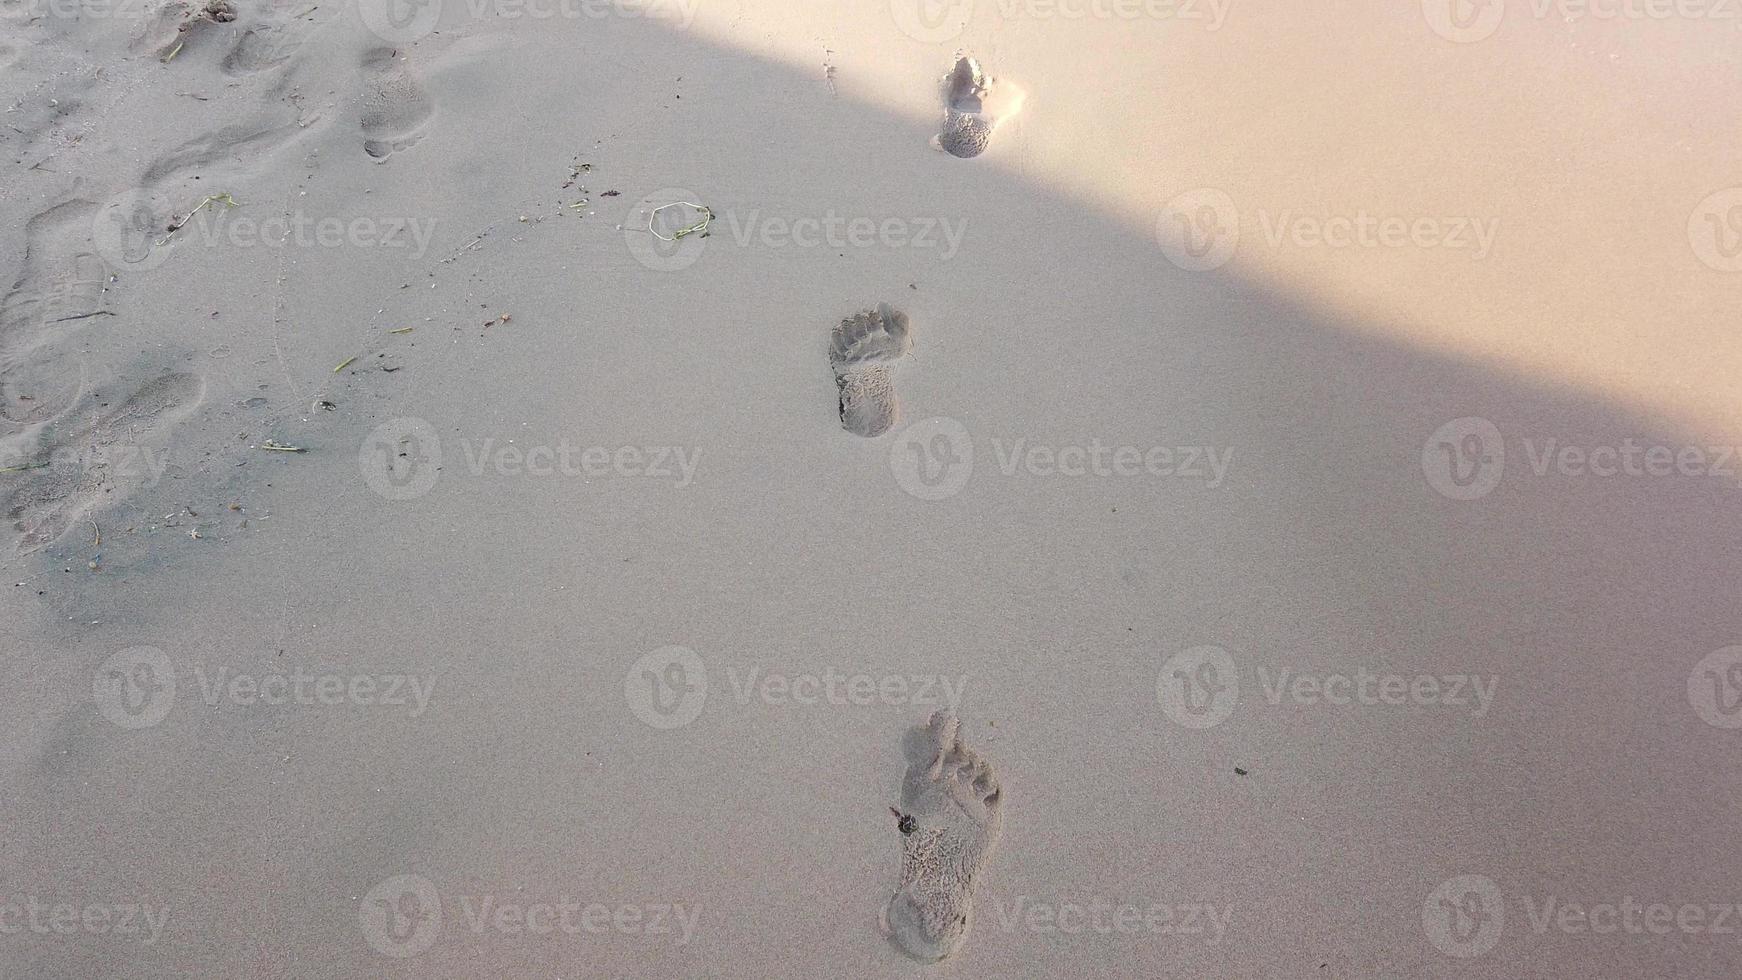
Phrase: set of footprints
x=951 y=802
x=865 y=348
x=394 y=107
x=52 y=315
x=79 y=446
x=256 y=39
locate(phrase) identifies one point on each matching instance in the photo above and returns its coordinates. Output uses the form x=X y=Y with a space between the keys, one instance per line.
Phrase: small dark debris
x=1239 y=771
x=904 y=822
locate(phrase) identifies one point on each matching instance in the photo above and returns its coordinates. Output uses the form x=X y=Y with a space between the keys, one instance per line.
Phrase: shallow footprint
x=79 y=462
x=974 y=105
x=59 y=292
x=863 y=351
x=395 y=106
x=949 y=821
x=263 y=47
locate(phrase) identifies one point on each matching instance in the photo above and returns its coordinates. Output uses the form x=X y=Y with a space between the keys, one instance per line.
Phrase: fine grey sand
x=950 y=818
x=415 y=568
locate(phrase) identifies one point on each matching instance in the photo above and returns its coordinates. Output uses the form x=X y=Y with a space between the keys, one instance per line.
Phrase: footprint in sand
x=272 y=39
x=58 y=294
x=395 y=106
x=87 y=457
x=176 y=29
x=863 y=351
x=949 y=821
x=974 y=105
x=263 y=47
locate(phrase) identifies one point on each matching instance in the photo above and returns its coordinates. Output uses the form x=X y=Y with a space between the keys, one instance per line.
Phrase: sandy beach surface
x=434 y=547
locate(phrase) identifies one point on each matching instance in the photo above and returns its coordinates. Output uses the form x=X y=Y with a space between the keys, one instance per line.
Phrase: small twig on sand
x=280 y=447
x=224 y=199
x=469 y=245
